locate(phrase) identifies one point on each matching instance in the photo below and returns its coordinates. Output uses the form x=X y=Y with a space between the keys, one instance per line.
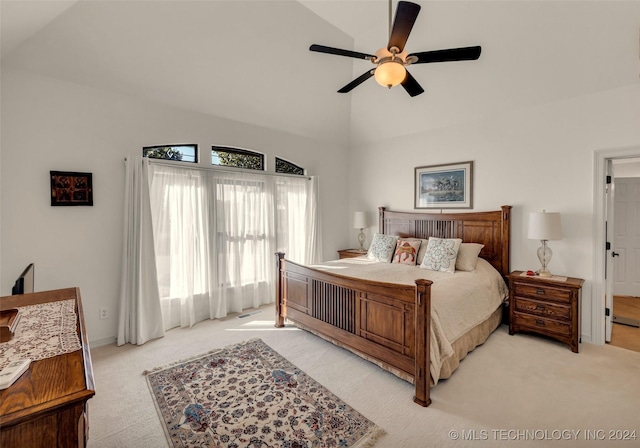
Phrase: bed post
x=381 y=219
x=504 y=239
x=279 y=289
x=423 y=329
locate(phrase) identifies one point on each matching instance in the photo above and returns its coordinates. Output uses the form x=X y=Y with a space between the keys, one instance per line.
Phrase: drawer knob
x=540 y=307
x=539 y=323
x=540 y=291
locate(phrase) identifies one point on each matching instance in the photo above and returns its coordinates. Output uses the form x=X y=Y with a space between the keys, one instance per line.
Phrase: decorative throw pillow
x=421 y=251
x=406 y=252
x=468 y=256
x=441 y=254
x=382 y=247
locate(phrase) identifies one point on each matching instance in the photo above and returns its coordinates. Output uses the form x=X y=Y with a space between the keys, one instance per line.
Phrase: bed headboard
x=489 y=228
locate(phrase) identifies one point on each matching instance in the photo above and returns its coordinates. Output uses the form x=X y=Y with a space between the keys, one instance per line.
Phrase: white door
x=608 y=258
x=627 y=237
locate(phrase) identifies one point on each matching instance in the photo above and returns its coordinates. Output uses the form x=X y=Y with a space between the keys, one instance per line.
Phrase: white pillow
x=468 y=256
x=441 y=254
x=422 y=251
x=382 y=247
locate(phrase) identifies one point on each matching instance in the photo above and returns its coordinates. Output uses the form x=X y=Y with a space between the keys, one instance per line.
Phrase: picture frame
x=444 y=186
x=70 y=188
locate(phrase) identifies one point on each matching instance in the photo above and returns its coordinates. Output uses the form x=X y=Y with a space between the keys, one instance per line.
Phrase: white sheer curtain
x=246 y=240
x=297 y=217
x=215 y=238
x=181 y=221
x=139 y=317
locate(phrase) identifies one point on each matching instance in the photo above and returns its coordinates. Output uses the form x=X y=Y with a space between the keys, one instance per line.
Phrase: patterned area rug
x=247 y=395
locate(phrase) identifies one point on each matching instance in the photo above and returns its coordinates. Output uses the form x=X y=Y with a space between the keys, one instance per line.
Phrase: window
x=286 y=167
x=181 y=153
x=245 y=234
x=215 y=233
x=238 y=158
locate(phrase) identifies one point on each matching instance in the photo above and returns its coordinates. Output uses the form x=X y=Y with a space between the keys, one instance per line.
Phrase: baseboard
x=101 y=342
x=586 y=338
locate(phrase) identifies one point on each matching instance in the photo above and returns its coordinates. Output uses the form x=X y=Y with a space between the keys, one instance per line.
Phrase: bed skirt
x=469 y=341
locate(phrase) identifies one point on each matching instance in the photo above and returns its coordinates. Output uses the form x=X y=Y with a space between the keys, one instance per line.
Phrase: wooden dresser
x=47 y=405
x=547 y=307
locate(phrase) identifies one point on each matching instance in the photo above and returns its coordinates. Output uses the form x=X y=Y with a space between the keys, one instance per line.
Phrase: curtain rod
x=225 y=170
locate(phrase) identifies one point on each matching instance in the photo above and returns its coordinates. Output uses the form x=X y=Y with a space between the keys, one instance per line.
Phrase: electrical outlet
x=104 y=313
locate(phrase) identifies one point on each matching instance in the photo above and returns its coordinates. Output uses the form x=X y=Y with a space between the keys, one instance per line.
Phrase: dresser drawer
x=543 y=292
x=543 y=325
x=543 y=309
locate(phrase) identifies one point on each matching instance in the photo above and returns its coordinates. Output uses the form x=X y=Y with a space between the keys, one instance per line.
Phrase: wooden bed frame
x=386 y=323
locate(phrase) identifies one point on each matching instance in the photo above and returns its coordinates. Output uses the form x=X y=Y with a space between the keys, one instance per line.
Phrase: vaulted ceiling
x=249 y=60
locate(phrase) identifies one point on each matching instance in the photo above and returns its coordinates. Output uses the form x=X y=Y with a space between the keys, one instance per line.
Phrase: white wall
x=48 y=125
x=533 y=159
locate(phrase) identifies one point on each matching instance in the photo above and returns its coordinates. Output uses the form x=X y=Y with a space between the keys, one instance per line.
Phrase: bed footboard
x=385 y=322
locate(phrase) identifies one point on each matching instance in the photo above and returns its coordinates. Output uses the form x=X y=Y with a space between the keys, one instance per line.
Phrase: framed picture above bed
x=444 y=186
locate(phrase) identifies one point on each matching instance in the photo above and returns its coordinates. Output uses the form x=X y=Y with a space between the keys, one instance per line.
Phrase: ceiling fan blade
x=452 y=54
x=411 y=85
x=340 y=52
x=406 y=15
x=356 y=82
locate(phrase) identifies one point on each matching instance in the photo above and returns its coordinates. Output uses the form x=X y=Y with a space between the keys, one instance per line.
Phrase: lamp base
x=544 y=255
x=361 y=238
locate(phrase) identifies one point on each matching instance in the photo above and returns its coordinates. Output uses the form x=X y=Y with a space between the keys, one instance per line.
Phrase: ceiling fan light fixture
x=390 y=73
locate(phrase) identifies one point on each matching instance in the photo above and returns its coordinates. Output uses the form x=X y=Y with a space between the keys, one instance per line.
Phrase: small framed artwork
x=444 y=186
x=69 y=188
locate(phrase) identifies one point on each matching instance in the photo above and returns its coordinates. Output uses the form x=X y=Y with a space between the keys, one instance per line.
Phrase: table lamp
x=544 y=226
x=360 y=222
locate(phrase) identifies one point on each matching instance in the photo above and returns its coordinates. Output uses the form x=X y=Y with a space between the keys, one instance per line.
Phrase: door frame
x=600 y=158
x=609 y=234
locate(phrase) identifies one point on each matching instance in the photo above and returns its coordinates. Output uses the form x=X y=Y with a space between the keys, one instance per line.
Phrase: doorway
x=618 y=254
x=604 y=272
x=625 y=255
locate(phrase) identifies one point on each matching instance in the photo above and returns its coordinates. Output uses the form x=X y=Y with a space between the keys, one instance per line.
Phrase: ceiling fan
x=391 y=62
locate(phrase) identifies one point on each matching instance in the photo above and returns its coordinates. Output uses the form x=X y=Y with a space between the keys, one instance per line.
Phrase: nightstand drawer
x=543 y=292
x=543 y=325
x=544 y=309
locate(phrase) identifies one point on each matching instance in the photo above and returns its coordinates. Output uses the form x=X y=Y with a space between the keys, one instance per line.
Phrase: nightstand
x=350 y=253
x=547 y=307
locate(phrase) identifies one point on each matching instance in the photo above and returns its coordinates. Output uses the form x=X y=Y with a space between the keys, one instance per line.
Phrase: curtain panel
x=216 y=233
x=298 y=219
x=139 y=317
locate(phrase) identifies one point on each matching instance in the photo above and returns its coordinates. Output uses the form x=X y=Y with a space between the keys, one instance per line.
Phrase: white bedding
x=459 y=301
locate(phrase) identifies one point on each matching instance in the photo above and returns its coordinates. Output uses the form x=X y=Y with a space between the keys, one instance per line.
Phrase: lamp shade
x=359 y=220
x=545 y=226
x=390 y=74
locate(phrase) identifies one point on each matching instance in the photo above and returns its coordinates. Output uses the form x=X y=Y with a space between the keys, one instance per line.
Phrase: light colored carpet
x=515 y=391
